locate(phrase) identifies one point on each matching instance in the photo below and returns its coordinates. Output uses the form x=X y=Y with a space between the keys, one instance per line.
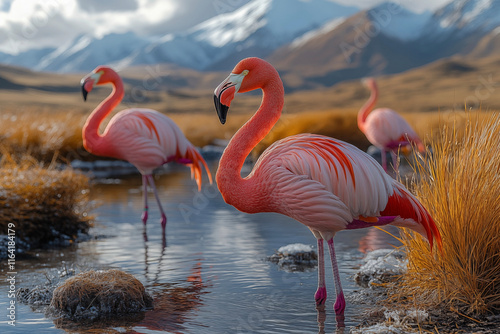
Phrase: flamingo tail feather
x=413 y=215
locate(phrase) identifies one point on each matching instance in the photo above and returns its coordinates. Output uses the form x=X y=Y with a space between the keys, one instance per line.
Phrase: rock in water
x=295 y=257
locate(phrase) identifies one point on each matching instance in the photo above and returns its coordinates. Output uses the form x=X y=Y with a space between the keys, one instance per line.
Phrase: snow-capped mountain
x=390 y=39
x=85 y=53
x=320 y=40
x=257 y=28
x=467 y=15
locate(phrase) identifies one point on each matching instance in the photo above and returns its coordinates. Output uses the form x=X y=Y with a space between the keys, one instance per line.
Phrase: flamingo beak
x=84 y=92
x=88 y=83
x=224 y=94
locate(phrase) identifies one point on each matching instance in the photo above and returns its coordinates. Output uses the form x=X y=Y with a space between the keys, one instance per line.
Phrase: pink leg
x=384 y=159
x=339 y=305
x=163 y=217
x=320 y=295
x=145 y=195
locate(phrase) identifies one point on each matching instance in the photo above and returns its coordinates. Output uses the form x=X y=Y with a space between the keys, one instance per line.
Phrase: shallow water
x=209 y=274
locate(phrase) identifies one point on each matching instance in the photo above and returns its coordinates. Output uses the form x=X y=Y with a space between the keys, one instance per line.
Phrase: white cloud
x=36 y=23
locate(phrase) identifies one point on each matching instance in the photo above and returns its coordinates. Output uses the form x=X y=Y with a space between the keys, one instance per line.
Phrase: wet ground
x=208 y=275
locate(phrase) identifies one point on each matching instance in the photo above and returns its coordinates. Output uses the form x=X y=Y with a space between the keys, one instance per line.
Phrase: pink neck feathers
x=93 y=141
x=240 y=192
x=368 y=106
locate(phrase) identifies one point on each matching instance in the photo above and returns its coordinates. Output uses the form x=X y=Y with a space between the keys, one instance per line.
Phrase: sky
x=27 y=24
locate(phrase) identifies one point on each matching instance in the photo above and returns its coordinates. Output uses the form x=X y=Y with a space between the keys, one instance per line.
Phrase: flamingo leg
x=163 y=216
x=383 y=153
x=339 y=305
x=145 y=195
x=320 y=295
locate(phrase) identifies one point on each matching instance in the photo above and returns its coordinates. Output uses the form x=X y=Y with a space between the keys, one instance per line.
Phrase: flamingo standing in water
x=326 y=184
x=386 y=129
x=144 y=137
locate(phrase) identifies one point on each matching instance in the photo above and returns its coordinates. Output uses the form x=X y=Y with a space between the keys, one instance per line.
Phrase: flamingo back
x=149 y=139
x=322 y=182
x=384 y=127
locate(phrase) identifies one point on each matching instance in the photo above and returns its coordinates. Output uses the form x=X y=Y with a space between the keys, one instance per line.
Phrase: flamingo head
x=368 y=82
x=248 y=74
x=100 y=75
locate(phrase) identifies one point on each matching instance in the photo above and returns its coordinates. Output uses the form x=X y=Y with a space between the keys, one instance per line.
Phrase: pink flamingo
x=144 y=137
x=385 y=128
x=326 y=184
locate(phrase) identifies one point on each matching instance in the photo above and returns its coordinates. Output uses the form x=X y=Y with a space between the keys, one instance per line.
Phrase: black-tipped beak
x=84 y=92
x=225 y=92
x=221 y=109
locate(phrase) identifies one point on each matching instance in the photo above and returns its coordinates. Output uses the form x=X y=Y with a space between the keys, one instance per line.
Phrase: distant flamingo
x=385 y=128
x=326 y=184
x=144 y=137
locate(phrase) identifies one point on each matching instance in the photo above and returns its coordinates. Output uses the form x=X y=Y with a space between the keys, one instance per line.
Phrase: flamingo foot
x=339 y=308
x=144 y=216
x=320 y=296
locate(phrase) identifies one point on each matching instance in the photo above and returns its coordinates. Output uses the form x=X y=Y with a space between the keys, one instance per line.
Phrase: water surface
x=209 y=273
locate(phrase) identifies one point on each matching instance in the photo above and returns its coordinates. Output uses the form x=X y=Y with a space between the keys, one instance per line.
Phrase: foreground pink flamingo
x=386 y=129
x=326 y=184
x=144 y=137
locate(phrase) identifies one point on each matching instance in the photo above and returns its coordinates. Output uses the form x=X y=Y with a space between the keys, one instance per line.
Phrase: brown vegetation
x=45 y=205
x=100 y=294
x=460 y=187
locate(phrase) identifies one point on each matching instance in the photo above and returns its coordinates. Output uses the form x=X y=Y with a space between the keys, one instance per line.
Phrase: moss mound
x=100 y=295
x=42 y=205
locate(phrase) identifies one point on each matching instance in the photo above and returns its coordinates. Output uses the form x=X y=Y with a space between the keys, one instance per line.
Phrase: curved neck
x=232 y=186
x=368 y=106
x=92 y=140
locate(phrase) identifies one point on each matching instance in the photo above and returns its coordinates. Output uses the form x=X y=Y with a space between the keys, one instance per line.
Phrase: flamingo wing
x=322 y=182
x=145 y=138
x=149 y=139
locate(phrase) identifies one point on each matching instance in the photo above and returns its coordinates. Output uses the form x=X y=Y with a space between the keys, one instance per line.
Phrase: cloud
x=99 y=6
x=29 y=24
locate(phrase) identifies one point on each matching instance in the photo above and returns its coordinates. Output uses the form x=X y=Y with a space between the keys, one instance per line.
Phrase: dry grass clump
x=45 y=204
x=460 y=186
x=100 y=294
x=42 y=133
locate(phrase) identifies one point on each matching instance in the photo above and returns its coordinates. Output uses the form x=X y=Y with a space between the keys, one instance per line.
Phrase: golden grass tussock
x=43 y=133
x=100 y=294
x=45 y=204
x=460 y=186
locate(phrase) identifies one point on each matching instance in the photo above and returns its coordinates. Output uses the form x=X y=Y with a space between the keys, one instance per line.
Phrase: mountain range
x=313 y=43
